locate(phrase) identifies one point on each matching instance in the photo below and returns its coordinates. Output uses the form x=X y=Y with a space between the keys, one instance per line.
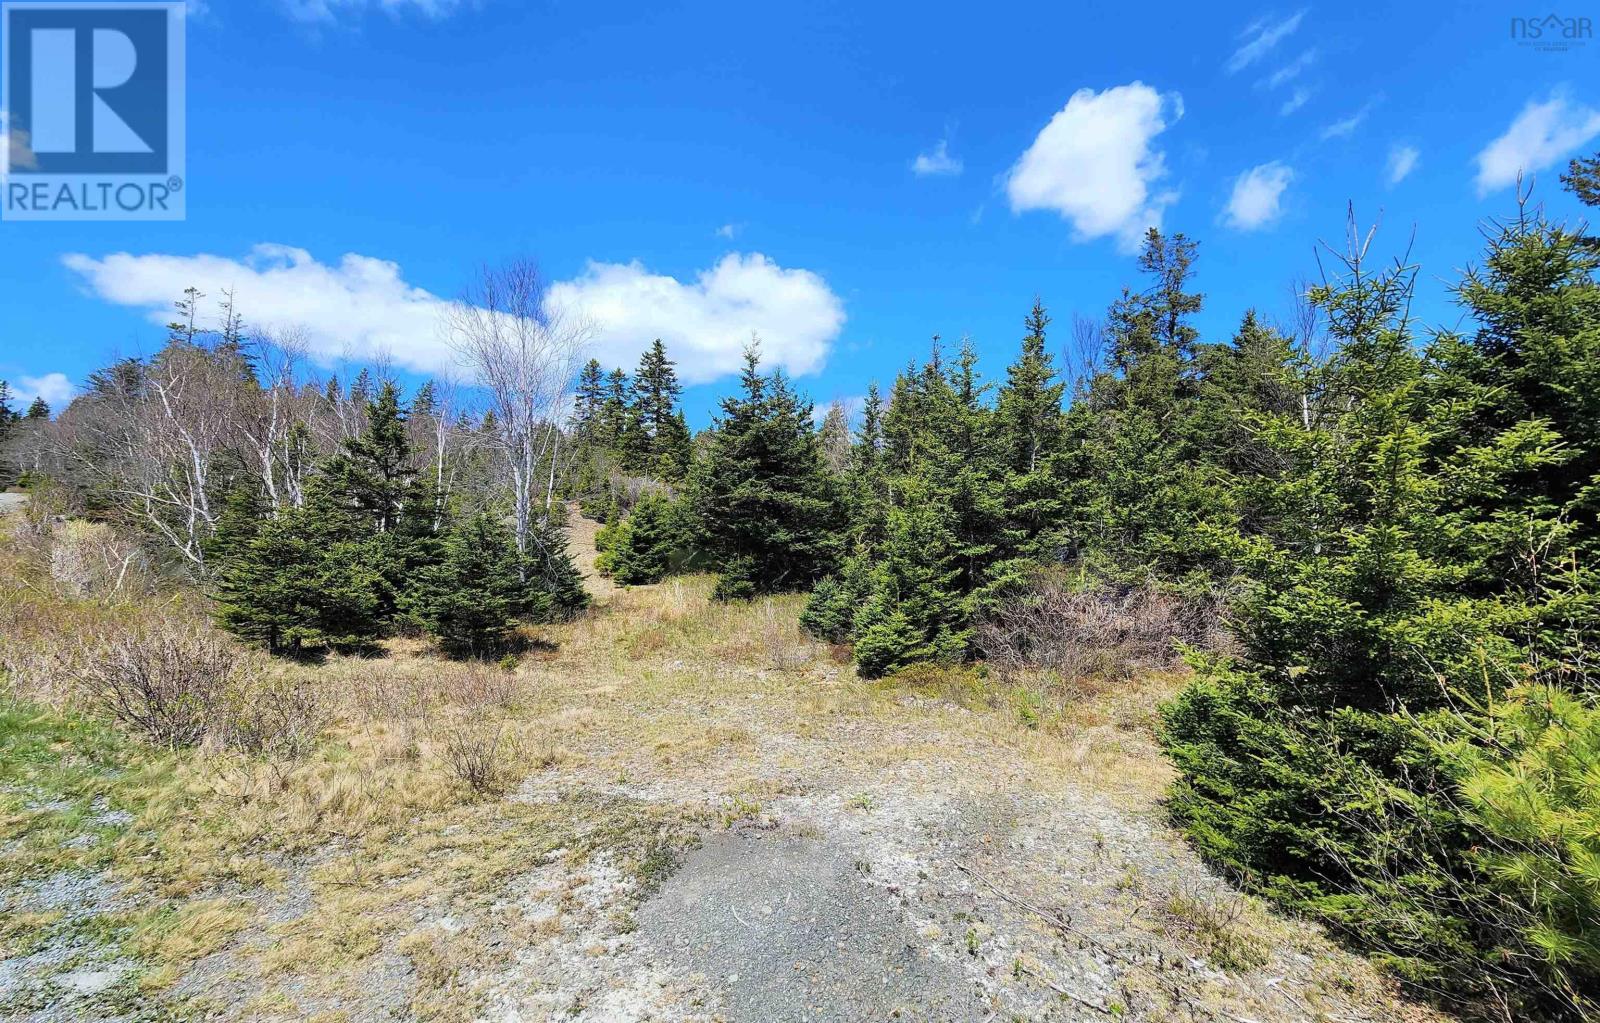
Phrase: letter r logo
x=87 y=86
x=55 y=91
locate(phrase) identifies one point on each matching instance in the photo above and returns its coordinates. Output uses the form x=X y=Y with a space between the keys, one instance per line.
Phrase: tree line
x=1396 y=526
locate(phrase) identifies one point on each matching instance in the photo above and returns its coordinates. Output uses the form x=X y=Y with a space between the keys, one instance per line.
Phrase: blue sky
x=847 y=179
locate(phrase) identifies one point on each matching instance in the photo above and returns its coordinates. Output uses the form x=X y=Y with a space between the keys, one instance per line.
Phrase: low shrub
x=1082 y=629
x=165 y=678
x=475 y=751
x=179 y=683
x=89 y=559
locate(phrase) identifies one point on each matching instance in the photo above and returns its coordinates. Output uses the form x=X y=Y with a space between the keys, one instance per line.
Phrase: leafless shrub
x=381 y=692
x=475 y=750
x=784 y=647
x=91 y=560
x=1217 y=925
x=1095 y=631
x=476 y=685
x=179 y=683
x=279 y=717
x=167 y=678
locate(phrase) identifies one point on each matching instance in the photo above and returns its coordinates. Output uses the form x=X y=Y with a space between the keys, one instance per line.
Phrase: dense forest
x=1372 y=541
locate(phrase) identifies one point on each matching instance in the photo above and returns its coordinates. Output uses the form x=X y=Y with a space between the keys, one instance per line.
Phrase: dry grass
x=399 y=805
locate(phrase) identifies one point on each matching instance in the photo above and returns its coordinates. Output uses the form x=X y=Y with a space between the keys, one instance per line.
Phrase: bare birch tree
x=524 y=354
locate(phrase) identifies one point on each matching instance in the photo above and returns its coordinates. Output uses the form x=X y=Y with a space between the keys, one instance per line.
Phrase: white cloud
x=1296 y=100
x=1260 y=38
x=1095 y=165
x=1291 y=70
x=1542 y=134
x=330 y=10
x=54 y=388
x=362 y=307
x=707 y=322
x=1257 y=198
x=937 y=162
x=1402 y=161
x=14 y=147
x=729 y=230
x=1345 y=127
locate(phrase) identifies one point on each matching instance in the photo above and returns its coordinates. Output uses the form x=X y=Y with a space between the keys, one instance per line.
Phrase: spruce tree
x=767 y=506
x=1149 y=499
x=558 y=593
x=1356 y=761
x=588 y=399
x=1031 y=436
x=867 y=492
x=374 y=473
x=470 y=598
x=649 y=544
x=8 y=416
x=834 y=437
x=915 y=610
x=659 y=442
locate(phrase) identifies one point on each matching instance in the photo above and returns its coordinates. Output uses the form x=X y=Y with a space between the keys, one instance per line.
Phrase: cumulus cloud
x=15 y=150
x=1402 y=161
x=359 y=307
x=1260 y=38
x=54 y=388
x=331 y=10
x=1095 y=163
x=936 y=162
x=707 y=322
x=362 y=307
x=1257 y=199
x=1541 y=134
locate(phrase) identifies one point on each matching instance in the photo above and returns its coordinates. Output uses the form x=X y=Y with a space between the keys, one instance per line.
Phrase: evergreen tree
x=588 y=400
x=38 y=410
x=1028 y=414
x=470 y=598
x=766 y=504
x=613 y=418
x=651 y=543
x=1149 y=498
x=834 y=437
x=184 y=328
x=425 y=403
x=558 y=593
x=1356 y=762
x=1031 y=442
x=1583 y=179
x=305 y=583
x=658 y=440
x=915 y=611
x=867 y=493
x=374 y=473
x=8 y=416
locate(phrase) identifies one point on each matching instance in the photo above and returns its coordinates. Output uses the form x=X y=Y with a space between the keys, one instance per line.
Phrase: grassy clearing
x=375 y=870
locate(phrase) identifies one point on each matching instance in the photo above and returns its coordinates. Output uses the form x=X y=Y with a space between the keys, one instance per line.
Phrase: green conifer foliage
x=651 y=544
x=470 y=598
x=767 y=506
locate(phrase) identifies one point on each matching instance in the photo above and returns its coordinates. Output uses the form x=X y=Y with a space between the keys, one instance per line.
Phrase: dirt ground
x=710 y=818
